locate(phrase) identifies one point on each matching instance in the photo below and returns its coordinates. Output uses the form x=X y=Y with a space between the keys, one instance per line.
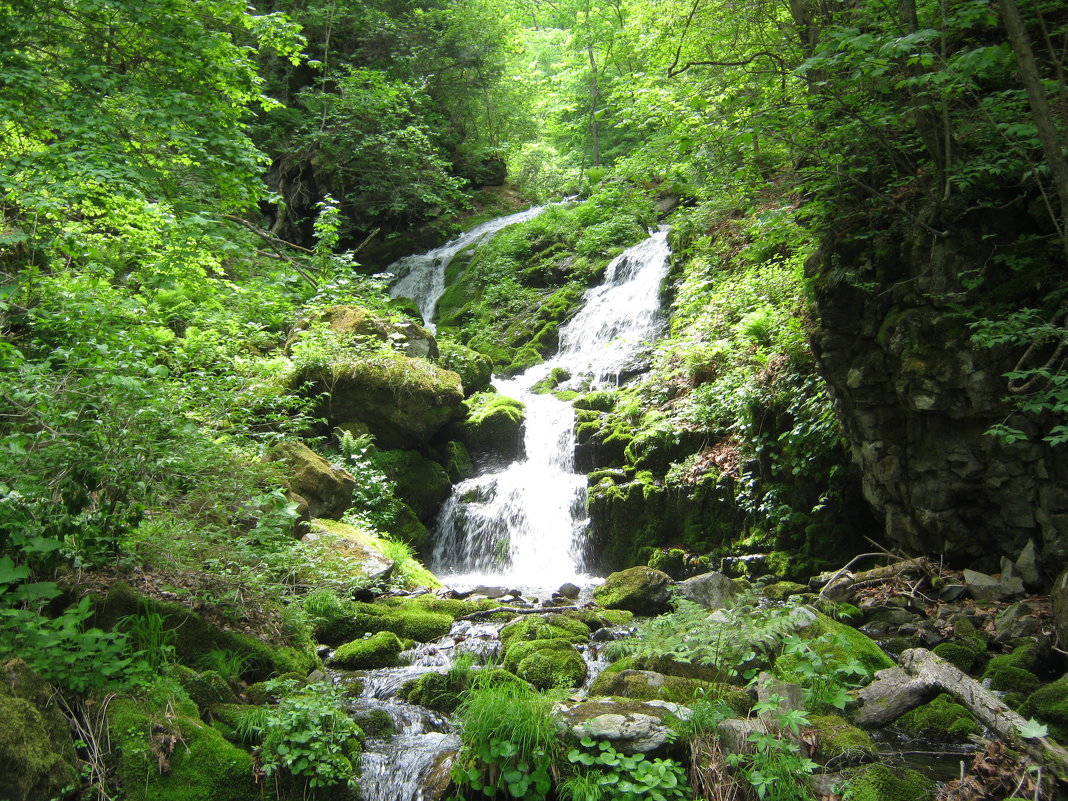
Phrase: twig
x=519 y=611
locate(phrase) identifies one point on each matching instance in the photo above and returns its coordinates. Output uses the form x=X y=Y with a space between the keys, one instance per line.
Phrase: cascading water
x=422 y=277
x=524 y=524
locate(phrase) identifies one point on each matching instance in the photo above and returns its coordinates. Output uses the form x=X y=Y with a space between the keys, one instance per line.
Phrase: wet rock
x=711 y=590
x=640 y=590
x=326 y=489
x=1018 y=620
x=569 y=590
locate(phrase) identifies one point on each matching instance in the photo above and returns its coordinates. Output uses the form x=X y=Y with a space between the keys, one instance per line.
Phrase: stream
x=519 y=525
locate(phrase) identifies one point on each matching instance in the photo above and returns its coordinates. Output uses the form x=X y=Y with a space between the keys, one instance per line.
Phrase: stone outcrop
x=326 y=490
x=915 y=395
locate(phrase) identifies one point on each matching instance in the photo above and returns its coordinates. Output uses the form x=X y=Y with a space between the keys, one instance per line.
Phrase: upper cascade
x=525 y=522
x=421 y=277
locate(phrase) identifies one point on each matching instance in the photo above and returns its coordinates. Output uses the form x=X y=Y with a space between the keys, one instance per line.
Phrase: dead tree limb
x=519 y=611
x=922 y=675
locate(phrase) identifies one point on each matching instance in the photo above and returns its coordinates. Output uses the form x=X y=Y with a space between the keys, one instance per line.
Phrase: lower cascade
x=524 y=523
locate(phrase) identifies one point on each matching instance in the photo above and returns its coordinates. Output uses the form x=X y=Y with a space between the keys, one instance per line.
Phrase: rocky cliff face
x=915 y=395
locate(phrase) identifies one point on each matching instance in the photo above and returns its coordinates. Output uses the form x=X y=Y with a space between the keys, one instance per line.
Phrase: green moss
x=475 y=369
x=842 y=612
x=851 y=643
x=641 y=590
x=377 y=651
x=942 y=720
x=375 y=722
x=443 y=692
x=1049 y=704
x=669 y=667
x=601 y=401
x=645 y=685
x=544 y=627
x=1012 y=672
x=33 y=765
x=556 y=377
x=525 y=358
x=199 y=763
x=457 y=461
x=839 y=742
x=546 y=668
x=883 y=783
x=781 y=590
x=421 y=483
x=519 y=650
x=197 y=637
x=493 y=424
x=958 y=655
x=205 y=689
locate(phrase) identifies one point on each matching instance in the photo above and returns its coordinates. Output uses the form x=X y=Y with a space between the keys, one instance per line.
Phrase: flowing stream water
x=520 y=524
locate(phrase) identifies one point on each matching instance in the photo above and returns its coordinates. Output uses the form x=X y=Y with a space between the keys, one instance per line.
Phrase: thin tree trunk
x=595 y=98
x=1040 y=111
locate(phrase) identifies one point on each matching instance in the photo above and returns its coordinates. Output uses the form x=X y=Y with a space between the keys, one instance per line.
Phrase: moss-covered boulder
x=548 y=669
x=377 y=651
x=633 y=727
x=162 y=752
x=884 y=783
x=205 y=689
x=656 y=448
x=1049 y=704
x=421 y=482
x=646 y=685
x=544 y=627
x=781 y=590
x=1013 y=672
x=349 y=621
x=196 y=636
x=839 y=641
x=641 y=590
x=325 y=488
x=403 y=401
x=493 y=425
x=839 y=743
x=36 y=749
x=475 y=369
x=443 y=692
x=942 y=720
x=669 y=666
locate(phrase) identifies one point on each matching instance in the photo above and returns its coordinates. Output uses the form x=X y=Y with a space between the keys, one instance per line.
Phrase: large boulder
x=326 y=489
x=421 y=483
x=710 y=590
x=354 y=323
x=357 y=548
x=475 y=369
x=403 y=401
x=641 y=590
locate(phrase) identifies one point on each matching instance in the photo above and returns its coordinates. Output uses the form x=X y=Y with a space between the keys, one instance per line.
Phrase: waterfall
x=524 y=524
x=422 y=277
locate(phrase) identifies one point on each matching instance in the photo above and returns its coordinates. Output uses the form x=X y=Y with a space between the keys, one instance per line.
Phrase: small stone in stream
x=1027 y=566
x=490 y=592
x=981 y=586
x=569 y=590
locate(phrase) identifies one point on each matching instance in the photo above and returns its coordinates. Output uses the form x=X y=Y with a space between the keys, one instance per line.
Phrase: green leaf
x=1033 y=729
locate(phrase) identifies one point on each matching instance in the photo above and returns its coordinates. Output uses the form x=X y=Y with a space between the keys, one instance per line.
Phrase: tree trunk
x=595 y=98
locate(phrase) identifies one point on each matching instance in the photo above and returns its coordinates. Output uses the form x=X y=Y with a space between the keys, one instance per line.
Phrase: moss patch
x=942 y=720
x=883 y=783
x=544 y=627
x=643 y=685
x=839 y=743
x=1050 y=705
x=377 y=651
x=493 y=425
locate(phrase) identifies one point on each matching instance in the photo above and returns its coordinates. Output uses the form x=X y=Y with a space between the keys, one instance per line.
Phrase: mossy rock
x=942 y=720
x=883 y=783
x=443 y=692
x=404 y=401
x=557 y=666
x=645 y=685
x=199 y=762
x=1012 y=672
x=655 y=449
x=475 y=369
x=600 y=618
x=494 y=424
x=544 y=627
x=839 y=743
x=958 y=655
x=196 y=637
x=519 y=650
x=842 y=612
x=421 y=483
x=640 y=590
x=428 y=602
x=375 y=722
x=457 y=461
x=556 y=377
x=407 y=527
x=524 y=358
x=854 y=644
x=1049 y=704
x=781 y=590
x=326 y=489
x=669 y=666
x=601 y=401
x=37 y=758
x=413 y=620
x=377 y=651
x=205 y=689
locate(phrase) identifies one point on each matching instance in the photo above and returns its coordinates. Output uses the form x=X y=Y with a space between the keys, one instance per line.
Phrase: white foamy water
x=525 y=524
x=422 y=277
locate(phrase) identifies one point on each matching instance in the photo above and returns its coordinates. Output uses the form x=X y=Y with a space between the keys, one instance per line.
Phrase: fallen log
x=843 y=580
x=921 y=675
